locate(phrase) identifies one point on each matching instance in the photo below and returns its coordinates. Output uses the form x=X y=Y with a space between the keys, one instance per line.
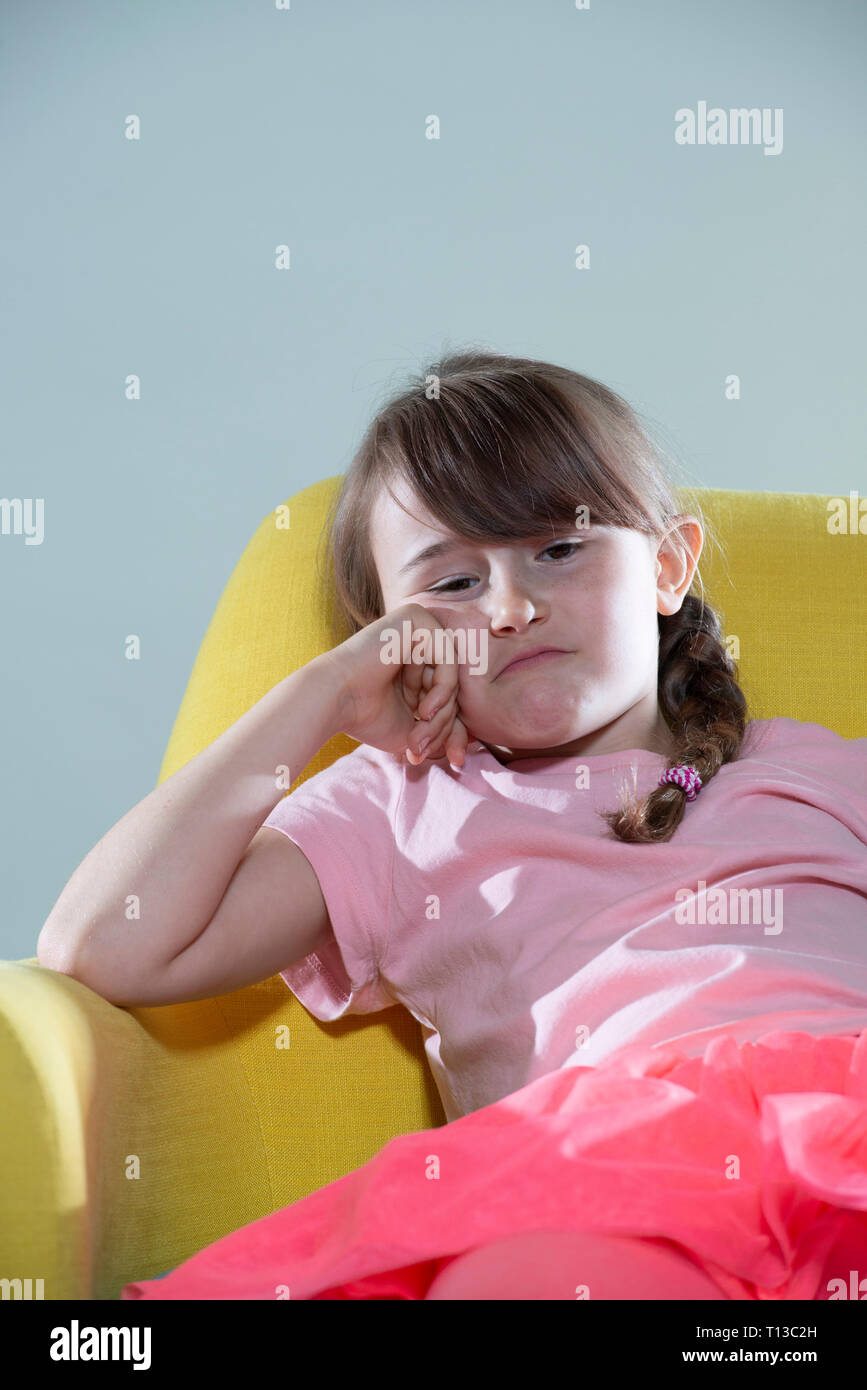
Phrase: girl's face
x=594 y=592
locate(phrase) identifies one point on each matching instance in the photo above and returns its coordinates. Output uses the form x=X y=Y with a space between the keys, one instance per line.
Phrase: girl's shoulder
x=800 y=742
x=365 y=774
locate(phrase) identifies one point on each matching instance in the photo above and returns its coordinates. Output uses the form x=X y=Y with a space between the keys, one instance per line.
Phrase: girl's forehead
x=394 y=525
x=401 y=525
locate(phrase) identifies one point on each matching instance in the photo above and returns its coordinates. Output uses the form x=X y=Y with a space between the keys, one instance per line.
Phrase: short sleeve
x=342 y=819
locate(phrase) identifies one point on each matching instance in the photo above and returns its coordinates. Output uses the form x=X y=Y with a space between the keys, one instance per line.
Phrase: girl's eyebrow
x=430 y=552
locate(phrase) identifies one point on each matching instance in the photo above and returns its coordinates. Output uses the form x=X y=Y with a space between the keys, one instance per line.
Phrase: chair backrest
x=790 y=592
x=789 y=589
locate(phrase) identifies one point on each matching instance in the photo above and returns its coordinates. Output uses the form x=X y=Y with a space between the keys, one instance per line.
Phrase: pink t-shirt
x=496 y=906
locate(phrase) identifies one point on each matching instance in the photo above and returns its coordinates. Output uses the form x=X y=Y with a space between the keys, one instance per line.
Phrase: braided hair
x=704 y=708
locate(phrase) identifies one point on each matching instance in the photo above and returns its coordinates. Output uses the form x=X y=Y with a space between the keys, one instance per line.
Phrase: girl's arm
x=152 y=885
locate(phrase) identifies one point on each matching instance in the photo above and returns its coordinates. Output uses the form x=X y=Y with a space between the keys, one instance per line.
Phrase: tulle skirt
x=739 y=1174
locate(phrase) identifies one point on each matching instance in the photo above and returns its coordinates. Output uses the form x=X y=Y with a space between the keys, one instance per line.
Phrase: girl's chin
x=535 y=728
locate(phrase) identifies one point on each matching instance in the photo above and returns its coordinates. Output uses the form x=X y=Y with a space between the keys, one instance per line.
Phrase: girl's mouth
x=525 y=662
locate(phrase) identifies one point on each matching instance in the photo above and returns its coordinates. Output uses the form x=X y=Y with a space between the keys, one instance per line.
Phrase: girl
x=631 y=923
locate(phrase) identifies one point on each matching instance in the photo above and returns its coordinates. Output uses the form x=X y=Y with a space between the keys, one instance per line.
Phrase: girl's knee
x=573 y=1265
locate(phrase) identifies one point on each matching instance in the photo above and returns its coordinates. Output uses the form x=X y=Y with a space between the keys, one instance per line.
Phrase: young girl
x=632 y=924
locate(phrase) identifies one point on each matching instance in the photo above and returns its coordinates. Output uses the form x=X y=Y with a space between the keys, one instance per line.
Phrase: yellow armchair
x=131 y=1138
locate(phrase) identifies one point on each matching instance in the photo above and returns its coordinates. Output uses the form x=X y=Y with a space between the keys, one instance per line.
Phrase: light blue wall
x=306 y=126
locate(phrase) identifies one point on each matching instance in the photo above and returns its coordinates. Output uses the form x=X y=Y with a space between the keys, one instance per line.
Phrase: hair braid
x=705 y=709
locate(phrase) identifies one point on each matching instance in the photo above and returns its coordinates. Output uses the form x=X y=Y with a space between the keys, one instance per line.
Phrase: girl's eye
x=449 y=586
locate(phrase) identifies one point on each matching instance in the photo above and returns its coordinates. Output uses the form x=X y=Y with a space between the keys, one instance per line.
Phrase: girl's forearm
x=154 y=881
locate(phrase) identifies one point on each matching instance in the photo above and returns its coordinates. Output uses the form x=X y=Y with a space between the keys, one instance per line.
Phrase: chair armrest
x=54 y=1033
x=124 y=1143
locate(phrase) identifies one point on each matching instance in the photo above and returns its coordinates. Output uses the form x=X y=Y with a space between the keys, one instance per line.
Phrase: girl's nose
x=512 y=611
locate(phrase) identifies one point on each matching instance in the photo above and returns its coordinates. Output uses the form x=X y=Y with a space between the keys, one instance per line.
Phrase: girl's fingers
x=417 y=683
x=435 y=706
x=447 y=734
x=411 y=685
x=442 y=683
x=439 y=690
x=452 y=745
x=434 y=730
x=456 y=744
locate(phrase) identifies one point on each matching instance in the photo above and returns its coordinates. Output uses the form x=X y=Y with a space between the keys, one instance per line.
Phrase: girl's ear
x=676 y=560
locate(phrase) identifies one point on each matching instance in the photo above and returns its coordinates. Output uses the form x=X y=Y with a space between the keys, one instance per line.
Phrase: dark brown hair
x=500 y=448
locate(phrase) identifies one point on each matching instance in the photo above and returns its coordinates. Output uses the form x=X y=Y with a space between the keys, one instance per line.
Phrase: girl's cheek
x=471 y=690
x=476 y=643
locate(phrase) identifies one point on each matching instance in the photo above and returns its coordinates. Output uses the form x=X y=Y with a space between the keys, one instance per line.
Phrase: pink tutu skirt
x=739 y=1174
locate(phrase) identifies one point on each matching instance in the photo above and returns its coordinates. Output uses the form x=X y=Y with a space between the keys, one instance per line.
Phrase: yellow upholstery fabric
x=133 y=1138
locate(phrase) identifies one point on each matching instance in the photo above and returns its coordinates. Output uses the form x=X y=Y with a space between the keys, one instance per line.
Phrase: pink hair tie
x=685 y=777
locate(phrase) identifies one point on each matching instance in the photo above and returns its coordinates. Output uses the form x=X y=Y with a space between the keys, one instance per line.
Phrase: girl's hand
x=396 y=705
